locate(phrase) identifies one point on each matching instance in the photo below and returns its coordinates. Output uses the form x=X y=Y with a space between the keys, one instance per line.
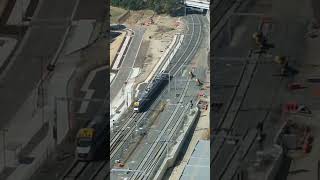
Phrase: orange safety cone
x=306 y=148
x=291 y=107
x=294 y=86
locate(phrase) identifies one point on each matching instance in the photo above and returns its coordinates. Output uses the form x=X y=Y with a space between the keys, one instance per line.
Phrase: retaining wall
x=169 y=162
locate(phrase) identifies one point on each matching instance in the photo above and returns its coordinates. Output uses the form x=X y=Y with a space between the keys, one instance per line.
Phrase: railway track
x=75 y=171
x=155 y=154
x=149 y=160
x=235 y=104
x=120 y=133
x=220 y=9
x=152 y=166
x=219 y=147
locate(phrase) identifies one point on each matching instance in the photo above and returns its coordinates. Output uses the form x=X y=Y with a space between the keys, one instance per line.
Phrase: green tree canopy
x=159 y=6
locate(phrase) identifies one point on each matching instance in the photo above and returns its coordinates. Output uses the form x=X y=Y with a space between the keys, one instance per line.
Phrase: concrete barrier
x=173 y=154
x=122 y=17
x=273 y=171
x=120 y=53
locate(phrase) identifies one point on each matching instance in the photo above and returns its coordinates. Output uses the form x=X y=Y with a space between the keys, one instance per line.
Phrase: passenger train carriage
x=150 y=93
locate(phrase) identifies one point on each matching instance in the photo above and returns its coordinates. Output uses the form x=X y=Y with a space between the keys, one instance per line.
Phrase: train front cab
x=85 y=144
x=136 y=107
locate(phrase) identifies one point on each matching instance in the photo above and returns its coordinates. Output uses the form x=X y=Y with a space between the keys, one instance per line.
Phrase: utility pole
x=4 y=131
x=42 y=90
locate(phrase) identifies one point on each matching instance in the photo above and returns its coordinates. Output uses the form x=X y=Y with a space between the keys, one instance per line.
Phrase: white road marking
x=89 y=92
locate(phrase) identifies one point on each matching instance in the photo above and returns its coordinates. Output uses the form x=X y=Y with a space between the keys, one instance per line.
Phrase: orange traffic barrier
x=291 y=107
x=294 y=86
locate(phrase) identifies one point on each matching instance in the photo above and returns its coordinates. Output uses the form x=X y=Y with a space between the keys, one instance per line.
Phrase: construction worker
x=191 y=74
x=259 y=39
x=261 y=42
x=198 y=82
x=285 y=68
x=282 y=60
x=261 y=136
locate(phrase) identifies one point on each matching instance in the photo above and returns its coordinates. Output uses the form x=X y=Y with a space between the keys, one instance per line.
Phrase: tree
x=159 y=6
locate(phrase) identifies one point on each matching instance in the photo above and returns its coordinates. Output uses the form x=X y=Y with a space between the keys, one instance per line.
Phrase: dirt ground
x=159 y=33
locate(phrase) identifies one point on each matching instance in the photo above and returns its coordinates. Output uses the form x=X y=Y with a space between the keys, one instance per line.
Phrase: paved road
x=127 y=63
x=100 y=92
x=264 y=90
x=25 y=70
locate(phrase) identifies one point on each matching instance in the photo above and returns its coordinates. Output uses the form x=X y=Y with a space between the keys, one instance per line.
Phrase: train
x=91 y=138
x=149 y=94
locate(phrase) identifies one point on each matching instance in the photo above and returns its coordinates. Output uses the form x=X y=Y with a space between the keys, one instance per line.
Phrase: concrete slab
x=18 y=12
x=81 y=34
x=7 y=45
x=124 y=98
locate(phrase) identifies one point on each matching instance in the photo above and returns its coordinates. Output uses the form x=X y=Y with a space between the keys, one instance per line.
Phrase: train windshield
x=84 y=142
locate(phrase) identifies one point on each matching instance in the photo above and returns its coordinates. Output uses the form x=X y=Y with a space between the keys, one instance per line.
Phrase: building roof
x=198 y=166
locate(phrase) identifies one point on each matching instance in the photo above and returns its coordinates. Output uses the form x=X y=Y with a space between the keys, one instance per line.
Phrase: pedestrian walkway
x=82 y=31
x=7 y=46
x=35 y=120
x=18 y=12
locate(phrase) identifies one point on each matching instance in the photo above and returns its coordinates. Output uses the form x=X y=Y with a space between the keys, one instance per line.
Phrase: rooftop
x=198 y=166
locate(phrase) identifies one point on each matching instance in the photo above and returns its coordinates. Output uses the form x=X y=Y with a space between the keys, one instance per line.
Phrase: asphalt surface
x=127 y=63
x=46 y=33
x=260 y=101
x=100 y=92
x=25 y=70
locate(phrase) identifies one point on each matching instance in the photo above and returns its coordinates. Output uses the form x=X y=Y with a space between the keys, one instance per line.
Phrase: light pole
x=175 y=84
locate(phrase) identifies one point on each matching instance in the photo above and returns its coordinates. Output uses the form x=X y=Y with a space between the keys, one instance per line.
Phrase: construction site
x=265 y=85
